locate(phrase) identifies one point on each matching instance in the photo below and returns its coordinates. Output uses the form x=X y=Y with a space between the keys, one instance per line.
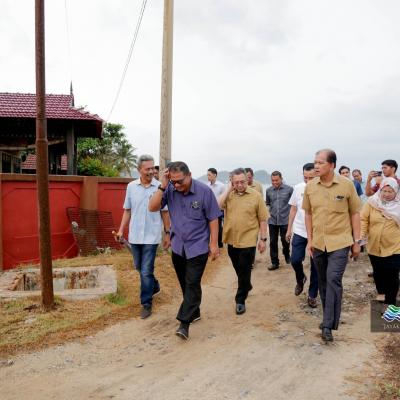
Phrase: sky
x=259 y=83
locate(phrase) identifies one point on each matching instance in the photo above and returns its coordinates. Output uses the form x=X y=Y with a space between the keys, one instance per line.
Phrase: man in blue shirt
x=144 y=230
x=345 y=171
x=194 y=213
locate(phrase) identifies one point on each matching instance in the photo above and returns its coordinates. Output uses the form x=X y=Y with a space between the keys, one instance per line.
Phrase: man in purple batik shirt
x=194 y=213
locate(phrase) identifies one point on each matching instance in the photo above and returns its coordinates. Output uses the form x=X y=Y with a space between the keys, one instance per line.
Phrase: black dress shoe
x=196 y=316
x=300 y=286
x=145 y=312
x=327 y=335
x=240 y=309
x=273 y=266
x=183 y=331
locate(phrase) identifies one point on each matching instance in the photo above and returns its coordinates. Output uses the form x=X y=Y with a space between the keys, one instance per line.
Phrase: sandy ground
x=273 y=351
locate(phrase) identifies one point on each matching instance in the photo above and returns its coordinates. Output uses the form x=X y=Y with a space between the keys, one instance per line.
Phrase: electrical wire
x=133 y=42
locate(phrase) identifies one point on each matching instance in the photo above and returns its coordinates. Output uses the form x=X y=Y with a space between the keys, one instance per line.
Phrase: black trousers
x=189 y=272
x=386 y=276
x=330 y=267
x=241 y=261
x=274 y=232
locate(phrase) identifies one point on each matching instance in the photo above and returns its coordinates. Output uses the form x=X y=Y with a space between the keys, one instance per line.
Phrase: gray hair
x=142 y=158
x=238 y=171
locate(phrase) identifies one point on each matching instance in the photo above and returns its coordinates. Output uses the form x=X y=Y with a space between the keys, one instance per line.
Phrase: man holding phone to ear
x=389 y=168
x=194 y=213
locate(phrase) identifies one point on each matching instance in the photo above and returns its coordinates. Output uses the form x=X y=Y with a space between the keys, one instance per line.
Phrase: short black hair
x=390 y=163
x=213 y=171
x=157 y=167
x=248 y=169
x=308 y=167
x=276 y=173
x=178 y=166
x=357 y=170
x=330 y=156
x=342 y=168
x=238 y=171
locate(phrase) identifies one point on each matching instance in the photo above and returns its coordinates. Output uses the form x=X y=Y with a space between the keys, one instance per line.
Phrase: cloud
x=255 y=83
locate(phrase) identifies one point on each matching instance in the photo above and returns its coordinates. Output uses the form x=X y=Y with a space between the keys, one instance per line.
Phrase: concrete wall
x=19 y=237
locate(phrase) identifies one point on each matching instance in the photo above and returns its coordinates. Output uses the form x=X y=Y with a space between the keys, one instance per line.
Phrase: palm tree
x=124 y=158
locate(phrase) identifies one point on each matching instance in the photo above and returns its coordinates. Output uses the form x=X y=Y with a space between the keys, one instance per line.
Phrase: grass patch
x=25 y=326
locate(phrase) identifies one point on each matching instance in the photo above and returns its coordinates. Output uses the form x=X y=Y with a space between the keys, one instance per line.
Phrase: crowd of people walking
x=327 y=217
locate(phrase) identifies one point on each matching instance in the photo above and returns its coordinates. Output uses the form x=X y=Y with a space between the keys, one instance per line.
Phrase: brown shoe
x=300 y=286
x=312 y=302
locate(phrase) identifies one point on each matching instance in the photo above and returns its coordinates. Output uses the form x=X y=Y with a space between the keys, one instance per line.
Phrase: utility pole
x=42 y=163
x=166 y=85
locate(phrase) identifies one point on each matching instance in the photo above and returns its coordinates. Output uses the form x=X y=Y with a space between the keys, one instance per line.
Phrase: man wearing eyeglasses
x=245 y=224
x=194 y=213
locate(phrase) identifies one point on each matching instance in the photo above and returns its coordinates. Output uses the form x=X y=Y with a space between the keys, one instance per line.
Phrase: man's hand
x=372 y=175
x=261 y=246
x=310 y=249
x=288 y=236
x=166 y=241
x=214 y=251
x=117 y=236
x=165 y=178
x=355 y=251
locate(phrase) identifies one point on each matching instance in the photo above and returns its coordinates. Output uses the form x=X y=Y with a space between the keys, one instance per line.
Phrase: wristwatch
x=161 y=188
x=264 y=239
x=167 y=231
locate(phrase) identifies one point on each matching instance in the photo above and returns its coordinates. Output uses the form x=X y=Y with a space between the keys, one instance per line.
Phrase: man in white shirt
x=298 y=233
x=218 y=188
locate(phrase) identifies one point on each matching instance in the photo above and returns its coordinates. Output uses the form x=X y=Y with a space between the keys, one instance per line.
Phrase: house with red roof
x=65 y=124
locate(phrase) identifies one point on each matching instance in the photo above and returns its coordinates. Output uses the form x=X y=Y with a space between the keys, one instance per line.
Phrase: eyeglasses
x=178 y=182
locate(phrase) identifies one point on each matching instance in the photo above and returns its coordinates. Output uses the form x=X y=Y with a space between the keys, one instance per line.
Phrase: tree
x=109 y=156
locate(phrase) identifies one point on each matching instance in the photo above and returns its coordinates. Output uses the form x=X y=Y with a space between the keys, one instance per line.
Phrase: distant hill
x=261 y=176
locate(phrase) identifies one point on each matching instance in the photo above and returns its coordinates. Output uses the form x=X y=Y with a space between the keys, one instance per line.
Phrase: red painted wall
x=19 y=216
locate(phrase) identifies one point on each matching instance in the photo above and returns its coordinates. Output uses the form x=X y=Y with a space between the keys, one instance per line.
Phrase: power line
x=135 y=35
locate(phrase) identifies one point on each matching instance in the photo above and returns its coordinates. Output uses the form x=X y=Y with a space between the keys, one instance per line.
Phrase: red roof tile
x=58 y=106
x=30 y=162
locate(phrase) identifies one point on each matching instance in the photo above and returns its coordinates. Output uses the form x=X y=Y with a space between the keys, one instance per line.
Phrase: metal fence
x=92 y=230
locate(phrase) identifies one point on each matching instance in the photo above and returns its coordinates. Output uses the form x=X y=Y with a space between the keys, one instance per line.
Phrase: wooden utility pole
x=166 y=85
x=42 y=163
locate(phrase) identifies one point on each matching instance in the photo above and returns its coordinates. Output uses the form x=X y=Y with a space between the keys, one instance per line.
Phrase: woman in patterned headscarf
x=380 y=225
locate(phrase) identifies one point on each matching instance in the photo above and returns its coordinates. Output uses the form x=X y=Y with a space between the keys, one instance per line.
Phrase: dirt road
x=273 y=351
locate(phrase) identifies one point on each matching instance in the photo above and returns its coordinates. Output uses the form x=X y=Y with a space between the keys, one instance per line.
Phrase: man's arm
x=214 y=249
x=126 y=216
x=222 y=199
x=292 y=215
x=369 y=191
x=155 y=201
x=356 y=226
x=263 y=234
x=167 y=229
x=308 y=221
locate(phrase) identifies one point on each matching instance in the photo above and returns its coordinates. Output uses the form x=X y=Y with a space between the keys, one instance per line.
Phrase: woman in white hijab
x=380 y=225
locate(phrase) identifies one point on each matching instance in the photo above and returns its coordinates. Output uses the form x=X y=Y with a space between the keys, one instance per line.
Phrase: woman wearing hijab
x=380 y=225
